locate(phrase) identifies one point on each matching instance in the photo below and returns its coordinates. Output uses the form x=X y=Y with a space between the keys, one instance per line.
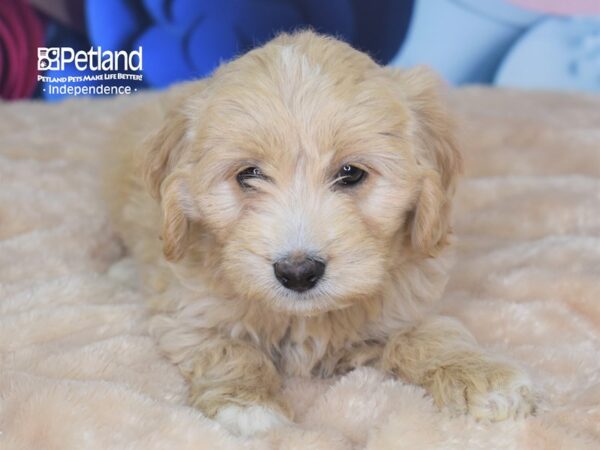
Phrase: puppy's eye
x=248 y=174
x=350 y=175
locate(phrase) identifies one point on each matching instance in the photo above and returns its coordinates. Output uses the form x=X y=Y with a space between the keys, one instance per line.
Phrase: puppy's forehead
x=296 y=67
x=300 y=96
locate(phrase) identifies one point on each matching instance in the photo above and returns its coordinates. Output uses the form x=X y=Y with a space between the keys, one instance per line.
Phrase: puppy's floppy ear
x=165 y=178
x=164 y=148
x=437 y=155
x=175 y=221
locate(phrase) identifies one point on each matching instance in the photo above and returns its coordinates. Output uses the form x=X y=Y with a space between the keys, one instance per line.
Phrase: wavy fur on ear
x=437 y=155
x=164 y=152
x=430 y=227
x=175 y=223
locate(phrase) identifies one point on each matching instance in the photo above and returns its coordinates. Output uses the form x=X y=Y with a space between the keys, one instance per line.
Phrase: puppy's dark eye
x=248 y=174
x=350 y=175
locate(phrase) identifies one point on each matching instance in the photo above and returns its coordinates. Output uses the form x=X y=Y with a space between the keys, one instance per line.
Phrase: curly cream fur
x=300 y=107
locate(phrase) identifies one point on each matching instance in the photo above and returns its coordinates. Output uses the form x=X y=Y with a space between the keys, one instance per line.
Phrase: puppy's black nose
x=299 y=273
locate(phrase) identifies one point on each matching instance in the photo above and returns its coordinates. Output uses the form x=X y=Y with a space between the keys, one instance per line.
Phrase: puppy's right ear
x=164 y=178
x=165 y=147
x=163 y=153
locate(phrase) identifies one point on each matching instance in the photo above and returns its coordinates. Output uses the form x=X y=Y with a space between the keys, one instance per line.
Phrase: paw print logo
x=48 y=58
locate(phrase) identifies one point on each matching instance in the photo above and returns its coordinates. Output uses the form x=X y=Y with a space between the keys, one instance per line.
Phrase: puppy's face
x=302 y=174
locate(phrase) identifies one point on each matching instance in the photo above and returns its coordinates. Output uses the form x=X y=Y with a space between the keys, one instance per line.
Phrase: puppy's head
x=302 y=174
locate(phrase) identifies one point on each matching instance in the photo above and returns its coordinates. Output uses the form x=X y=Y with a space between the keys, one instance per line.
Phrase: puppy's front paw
x=483 y=388
x=250 y=420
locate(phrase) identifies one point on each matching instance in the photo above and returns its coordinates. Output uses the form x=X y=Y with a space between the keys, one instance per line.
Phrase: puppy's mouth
x=305 y=304
x=308 y=302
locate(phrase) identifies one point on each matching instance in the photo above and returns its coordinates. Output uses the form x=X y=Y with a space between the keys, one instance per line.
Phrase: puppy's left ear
x=437 y=156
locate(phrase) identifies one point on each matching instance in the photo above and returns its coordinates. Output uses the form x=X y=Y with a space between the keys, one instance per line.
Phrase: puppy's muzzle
x=299 y=273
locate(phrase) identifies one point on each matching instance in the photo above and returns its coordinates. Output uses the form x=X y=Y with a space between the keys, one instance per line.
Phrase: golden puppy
x=289 y=215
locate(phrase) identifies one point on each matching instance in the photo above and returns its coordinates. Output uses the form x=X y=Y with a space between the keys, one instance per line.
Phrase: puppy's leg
x=238 y=385
x=366 y=353
x=444 y=358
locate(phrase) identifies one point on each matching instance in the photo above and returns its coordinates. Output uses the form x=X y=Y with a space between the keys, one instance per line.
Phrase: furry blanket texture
x=78 y=370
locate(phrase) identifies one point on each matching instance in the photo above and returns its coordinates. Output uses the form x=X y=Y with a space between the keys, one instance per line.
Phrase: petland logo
x=92 y=72
x=95 y=59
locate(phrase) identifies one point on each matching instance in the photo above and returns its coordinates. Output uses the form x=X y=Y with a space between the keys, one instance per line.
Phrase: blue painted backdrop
x=467 y=41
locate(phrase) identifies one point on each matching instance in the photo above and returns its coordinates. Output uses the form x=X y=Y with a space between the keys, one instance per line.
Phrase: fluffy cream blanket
x=78 y=371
